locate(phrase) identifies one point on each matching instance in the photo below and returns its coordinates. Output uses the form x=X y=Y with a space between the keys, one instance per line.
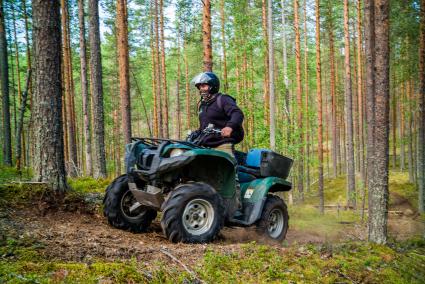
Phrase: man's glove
x=193 y=135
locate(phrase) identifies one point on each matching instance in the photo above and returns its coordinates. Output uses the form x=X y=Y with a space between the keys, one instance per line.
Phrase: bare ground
x=73 y=236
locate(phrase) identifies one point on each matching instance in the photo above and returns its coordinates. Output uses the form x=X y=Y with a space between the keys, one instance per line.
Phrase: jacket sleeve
x=232 y=111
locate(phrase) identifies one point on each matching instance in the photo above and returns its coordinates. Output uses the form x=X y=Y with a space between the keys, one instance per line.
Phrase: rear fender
x=254 y=195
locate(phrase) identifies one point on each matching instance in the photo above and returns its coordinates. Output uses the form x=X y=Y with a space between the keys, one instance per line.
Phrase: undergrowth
x=351 y=262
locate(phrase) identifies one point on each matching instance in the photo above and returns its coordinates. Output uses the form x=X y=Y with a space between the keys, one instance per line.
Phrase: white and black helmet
x=208 y=78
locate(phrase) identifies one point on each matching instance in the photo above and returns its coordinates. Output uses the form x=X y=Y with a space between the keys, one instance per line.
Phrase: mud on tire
x=274 y=219
x=116 y=203
x=193 y=213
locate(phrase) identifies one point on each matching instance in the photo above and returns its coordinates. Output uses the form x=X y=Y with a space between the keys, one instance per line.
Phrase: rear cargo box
x=269 y=163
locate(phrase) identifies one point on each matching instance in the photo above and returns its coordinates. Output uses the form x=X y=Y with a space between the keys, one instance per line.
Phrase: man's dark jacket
x=225 y=114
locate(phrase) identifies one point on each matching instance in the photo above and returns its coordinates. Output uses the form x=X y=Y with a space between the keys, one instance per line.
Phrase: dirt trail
x=71 y=236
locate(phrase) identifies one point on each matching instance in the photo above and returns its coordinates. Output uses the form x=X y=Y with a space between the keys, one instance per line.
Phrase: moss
x=85 y=185
x=347 y=262
x=21 y=193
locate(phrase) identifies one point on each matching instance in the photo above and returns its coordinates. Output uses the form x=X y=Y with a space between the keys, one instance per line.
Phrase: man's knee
x=227 y=148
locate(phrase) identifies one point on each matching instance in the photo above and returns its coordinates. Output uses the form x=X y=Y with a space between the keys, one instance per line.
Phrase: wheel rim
x=276 y=223
x=130 y=208
x=198 y=216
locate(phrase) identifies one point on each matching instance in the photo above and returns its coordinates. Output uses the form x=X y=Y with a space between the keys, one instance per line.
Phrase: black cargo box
x=274 y=164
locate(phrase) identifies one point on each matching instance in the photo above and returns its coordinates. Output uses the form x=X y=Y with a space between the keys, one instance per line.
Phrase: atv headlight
x=176 y=152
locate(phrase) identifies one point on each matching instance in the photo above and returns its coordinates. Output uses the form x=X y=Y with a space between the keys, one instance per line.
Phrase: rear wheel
x=194 y=213
x=122 y=209
x=274 y=219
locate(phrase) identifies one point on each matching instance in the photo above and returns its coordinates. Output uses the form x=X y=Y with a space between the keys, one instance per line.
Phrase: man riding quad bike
x=198 y=188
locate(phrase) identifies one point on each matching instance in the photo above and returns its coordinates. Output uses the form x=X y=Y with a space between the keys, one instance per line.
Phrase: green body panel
x=257 y=189
x=211 y=152
x=217 y=168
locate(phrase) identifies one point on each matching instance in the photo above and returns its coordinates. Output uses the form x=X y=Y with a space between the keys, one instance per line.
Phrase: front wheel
x=122 y=209
x=193 y=213
x=274 y=219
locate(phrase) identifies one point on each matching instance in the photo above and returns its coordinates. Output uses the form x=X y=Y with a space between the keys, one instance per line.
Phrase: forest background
x=304 y=73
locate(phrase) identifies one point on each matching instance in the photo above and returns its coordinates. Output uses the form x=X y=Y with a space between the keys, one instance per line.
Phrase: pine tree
x=4 y=76
x=123 y=63
x=97 y=91
x=49 y=164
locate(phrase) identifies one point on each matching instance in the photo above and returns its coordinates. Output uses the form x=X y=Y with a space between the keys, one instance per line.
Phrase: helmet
x=208 y=78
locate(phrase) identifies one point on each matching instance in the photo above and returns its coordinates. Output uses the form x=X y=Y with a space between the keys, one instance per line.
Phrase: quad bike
x=198 y=189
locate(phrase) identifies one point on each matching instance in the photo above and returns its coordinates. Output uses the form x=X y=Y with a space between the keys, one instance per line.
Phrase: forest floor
x=73 y=242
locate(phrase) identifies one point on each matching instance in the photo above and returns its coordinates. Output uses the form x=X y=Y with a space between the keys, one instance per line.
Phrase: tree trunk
x=421 y=120
x=123 y=65
x=49 y=164
x=307 y=118
x=266 y=65
x=7 y=136
x=335 y=143
x=410 y=131
x=69 y=93
x=178 y=103
x=360 y=99
x=394 y=122
x=223 y=42
x=285 y=76
x=186 y=73
x=84 y=89
x=20 y=124
x=299 y=102
x=319 y=106
x=97 y=90
x=30 y=129
x=401 y=128
x=206 y=36
x=271 y=78
x=351 y=189
x=153 y=79
x=164 y=72
x=19 y=134
x=378 y=180
x=158 y=70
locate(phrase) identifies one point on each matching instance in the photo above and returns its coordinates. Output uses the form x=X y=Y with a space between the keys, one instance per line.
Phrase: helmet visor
x=201 y=78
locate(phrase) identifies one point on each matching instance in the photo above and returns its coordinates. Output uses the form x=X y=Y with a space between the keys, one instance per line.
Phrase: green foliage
x=307 y=219
x=84 y=185
x=20 y=192
x=252 y=263
x=352 y=262
x=8 y=174
x=399 y=183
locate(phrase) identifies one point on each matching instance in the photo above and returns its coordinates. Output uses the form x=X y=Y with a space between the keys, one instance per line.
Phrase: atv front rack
x=157 y=141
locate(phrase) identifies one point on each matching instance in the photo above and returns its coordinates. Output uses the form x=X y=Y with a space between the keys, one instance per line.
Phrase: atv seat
x=247 y=174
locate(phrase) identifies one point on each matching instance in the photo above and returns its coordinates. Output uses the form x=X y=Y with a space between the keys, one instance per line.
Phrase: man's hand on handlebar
x=226 y=131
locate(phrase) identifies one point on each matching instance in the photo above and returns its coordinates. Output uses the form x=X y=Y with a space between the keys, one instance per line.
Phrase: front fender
x=214 y=167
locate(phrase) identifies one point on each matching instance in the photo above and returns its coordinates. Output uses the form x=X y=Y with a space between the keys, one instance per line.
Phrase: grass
x=306 y=218
x=253 y=263
x=8 y=174
x=335 y=190
x=399 y=183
